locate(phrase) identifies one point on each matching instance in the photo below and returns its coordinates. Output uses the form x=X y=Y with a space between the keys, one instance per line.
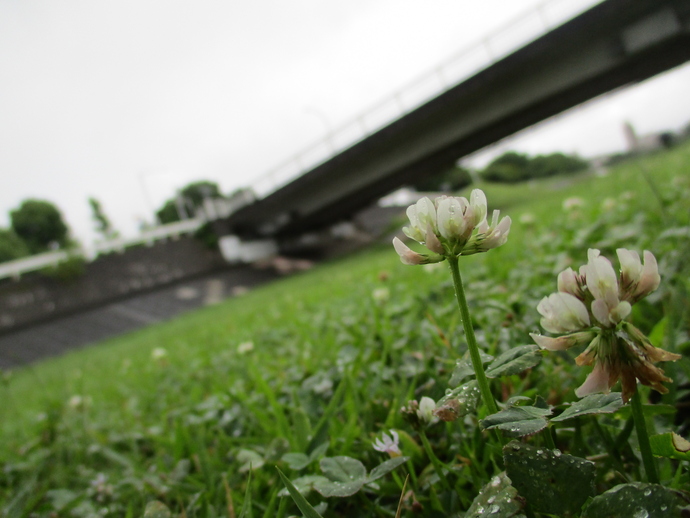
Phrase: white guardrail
x=464 y=64
x=15 y=269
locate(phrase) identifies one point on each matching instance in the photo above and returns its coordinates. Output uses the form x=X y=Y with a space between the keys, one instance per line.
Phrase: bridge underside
x=616 y=43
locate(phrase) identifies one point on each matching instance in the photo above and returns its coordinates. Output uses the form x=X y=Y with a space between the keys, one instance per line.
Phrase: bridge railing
x=15 y=269
x=464 y=64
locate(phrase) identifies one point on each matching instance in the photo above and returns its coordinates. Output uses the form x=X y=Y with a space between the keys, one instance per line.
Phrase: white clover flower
x=592 y=308
x=572 y=203
x=528 y=219
x=451 y=226
x=426 y=409
x=159 y=354
x=75 y=401
x=609 y=204
x=388 y=444
x=381 y=295
x=245 y=347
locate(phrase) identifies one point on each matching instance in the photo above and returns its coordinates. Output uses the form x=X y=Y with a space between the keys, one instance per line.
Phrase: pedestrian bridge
x=546 y=62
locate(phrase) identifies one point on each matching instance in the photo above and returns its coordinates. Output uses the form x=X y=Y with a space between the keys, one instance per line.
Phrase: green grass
x=336 y=352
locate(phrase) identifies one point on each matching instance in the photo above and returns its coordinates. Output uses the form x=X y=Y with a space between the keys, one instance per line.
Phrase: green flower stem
x=548 y=438
x=643 y=438
x=482 y=380
x=438 y=467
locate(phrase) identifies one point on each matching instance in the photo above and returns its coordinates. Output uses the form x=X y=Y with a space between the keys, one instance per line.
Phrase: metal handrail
x=15 y=269
x=547 y=15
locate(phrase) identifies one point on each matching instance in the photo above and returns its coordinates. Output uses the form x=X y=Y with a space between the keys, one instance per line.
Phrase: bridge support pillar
x=234 y=250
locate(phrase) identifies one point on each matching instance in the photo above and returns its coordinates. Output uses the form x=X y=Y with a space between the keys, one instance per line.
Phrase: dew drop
x=641 y=512
x=557 y=453
x=494 y=509
x=648 y=491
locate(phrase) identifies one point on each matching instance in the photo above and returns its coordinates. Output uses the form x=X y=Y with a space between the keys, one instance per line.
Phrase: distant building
x=645 y=143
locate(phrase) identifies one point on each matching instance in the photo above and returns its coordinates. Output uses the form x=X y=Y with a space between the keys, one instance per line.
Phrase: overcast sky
x=127 y=100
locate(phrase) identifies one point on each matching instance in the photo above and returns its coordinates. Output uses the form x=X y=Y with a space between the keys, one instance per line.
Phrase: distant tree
x=509 y=167
x=452 y=179
x=189 y=200
x=40 y=225
x=556 y=163
x=103 y=225
x=168 y=213
x=514 y=167
x=11 y=246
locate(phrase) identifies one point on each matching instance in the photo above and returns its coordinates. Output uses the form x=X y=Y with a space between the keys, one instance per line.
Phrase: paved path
x=62 y=334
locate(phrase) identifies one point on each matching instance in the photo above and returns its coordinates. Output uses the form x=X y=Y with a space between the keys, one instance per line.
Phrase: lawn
x=195 y=414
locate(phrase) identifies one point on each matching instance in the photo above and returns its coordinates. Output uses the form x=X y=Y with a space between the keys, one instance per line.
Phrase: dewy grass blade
x=300 y=501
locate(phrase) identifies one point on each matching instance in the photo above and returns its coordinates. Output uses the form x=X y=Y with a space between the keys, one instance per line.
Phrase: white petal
x=597 y=381
x=602 y=280
x=578 y=311
x=426 y=212
x=631 y=267
x=432 y=242
x=407 y=255
x=621 y=311
x=412 y=215
x=563 y=313
x=478 y=203
x=451 y=223
x=567 y=282
x=649 y=278
x=564 y=342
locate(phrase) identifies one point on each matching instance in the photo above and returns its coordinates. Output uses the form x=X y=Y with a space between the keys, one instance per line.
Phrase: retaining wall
x=40 y=296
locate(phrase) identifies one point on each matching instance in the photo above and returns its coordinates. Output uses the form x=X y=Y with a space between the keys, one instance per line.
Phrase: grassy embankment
x=334 y=354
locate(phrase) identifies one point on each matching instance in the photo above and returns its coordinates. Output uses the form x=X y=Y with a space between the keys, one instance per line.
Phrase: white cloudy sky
x=127 y=100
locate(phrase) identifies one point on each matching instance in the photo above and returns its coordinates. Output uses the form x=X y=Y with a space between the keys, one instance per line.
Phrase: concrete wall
x=37 y=297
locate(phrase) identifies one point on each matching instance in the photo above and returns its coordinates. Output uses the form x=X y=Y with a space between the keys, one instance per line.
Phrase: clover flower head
x=381 y=295
x=159 y=356
x=388 y=444
x=591 y=307
x=426 y=409
x=572 y=203
x=451 y=226
x=245 y=347
x=419 y=414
